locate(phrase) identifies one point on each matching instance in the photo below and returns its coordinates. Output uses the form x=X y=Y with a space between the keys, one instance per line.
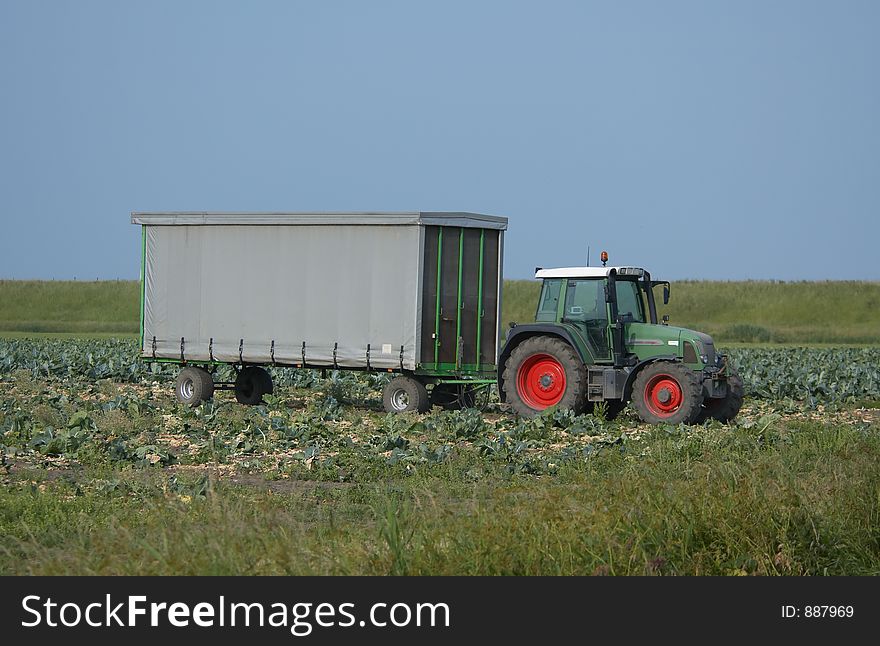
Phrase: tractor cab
x=596 y=338
x=598 y=302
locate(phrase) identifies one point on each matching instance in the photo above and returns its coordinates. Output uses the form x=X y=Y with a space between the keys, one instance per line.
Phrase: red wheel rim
x=663 y=395
x=540 y=381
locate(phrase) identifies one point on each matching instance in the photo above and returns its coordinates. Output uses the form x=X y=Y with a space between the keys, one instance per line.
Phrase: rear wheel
x=405 y=394
x=194 y=385
x=666 y=392
x=251 y=384
x=727 y=407
x=541 y=372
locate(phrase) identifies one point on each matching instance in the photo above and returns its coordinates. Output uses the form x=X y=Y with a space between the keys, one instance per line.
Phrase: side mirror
x=666 y=296
x=666 y=319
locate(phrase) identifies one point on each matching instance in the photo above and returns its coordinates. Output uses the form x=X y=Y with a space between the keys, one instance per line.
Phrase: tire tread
x=692 y=391
x=575 y=373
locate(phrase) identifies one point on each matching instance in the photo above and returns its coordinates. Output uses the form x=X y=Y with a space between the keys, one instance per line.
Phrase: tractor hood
x=705 y=346
x=648 y=340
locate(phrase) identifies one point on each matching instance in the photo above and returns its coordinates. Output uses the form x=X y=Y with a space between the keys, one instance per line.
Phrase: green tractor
x=596 y=338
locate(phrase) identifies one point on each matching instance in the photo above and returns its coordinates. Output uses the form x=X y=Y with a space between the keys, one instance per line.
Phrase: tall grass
x=69 y=306
x=779 y=499
x=818 y=312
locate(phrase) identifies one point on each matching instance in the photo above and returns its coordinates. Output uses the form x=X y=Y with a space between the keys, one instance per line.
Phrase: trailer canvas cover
x=293 y=288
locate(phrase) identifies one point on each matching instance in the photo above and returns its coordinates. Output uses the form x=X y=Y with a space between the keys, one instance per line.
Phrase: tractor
x=596 y=338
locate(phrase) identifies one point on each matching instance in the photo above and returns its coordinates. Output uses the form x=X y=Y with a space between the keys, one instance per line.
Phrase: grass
x=796 y=498
x=6 y=334
x=30 y=306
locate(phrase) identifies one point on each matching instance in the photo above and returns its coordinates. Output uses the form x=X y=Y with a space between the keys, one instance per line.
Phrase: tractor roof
x=587 y=272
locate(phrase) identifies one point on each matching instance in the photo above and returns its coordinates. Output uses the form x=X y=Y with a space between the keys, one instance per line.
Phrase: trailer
x=417 y=294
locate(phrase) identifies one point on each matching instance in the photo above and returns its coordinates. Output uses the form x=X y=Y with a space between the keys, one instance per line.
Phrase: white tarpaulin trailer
x=418 y=292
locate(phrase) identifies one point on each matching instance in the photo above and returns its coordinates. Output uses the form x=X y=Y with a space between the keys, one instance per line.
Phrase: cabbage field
x=104 y=472
x=67 y=398
x=815 y=375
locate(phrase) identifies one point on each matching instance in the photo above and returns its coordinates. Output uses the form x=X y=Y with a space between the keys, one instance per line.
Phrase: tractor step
x=595 y=384
x=605 y=383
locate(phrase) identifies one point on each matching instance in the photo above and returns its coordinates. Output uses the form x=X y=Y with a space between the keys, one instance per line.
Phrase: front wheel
x=544 y=371
x=666 y=392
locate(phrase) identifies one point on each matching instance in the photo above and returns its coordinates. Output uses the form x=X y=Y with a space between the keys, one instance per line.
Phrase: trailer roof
x=435 y=218
x=587 y=272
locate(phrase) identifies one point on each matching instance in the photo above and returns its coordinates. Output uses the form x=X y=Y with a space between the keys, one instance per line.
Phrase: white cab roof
x=586 y=272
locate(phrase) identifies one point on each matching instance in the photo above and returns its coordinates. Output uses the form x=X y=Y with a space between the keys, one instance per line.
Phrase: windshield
x=629 y=301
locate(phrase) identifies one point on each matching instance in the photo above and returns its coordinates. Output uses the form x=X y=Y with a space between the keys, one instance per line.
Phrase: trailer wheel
x=194 y=385
x=726 y=408
x=404 y=394
x=265 y=379
x=544 y=371
x=251 y=384
x=666 y=392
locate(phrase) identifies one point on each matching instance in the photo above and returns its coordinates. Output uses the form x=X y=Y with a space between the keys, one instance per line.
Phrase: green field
x=733 y=312
x=102 y=472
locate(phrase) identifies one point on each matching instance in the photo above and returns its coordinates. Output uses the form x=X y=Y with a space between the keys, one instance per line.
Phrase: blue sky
x=703 y=139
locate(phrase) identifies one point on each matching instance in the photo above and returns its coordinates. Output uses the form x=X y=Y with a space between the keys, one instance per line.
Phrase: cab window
x=629 y=301
x=548 y=304
x=585 y=307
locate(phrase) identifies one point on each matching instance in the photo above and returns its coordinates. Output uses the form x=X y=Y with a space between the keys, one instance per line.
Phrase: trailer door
x=460 y=299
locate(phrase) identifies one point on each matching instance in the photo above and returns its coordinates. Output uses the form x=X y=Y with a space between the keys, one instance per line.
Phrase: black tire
x=453 y=396
x=265 y=379
x=251 y=384
x=194 y=385
x=520 y=365
x=726 y=408
x=405 y=394
x=683 y=391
